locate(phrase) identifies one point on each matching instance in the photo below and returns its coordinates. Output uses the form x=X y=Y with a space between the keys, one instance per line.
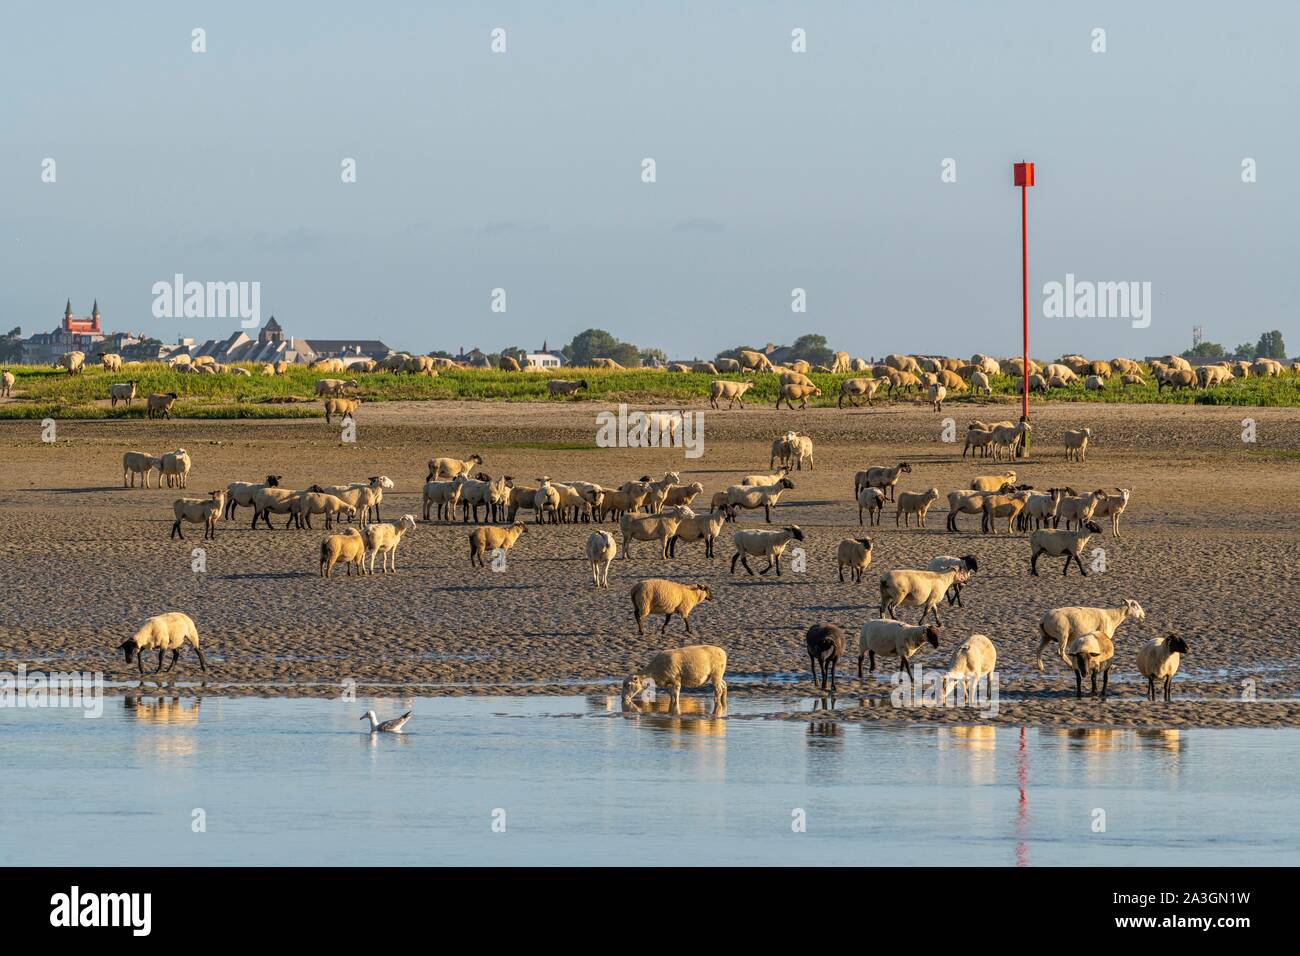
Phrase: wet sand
x=1208 y=549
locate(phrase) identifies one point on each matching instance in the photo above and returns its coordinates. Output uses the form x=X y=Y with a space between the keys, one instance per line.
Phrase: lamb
x=796 y=393
x=486 y=539
x=1056 y=543
x=946 y=562
x=854 y=554
x=881 y=477
x=1112 y=506
x=451 y=467
x=732 y=392
x=160 y=406
x=660 y=596
x=937 y=394
x=852 y=388
x=122 y=392
x=974 y=658
x=978 y=440
x=334 y=387
x=990 y=483
x=601 y=551
x=1088 y=654
x=758 y=496
x=383 y=539
x=175 y=466
x=873 y=500
x=914 y=503
x=1159 y=660
x=519 y=496
x=763 y=544
x=558 y=386
x=754 y=361
x=923 y=589
x=692 y=666
x=343 y=407
x=895 y=639
x=242 y=492
x=348 y=547
x=1076 y=444
x=1132 y=378
x=655 y=527
x=7 y=383
x=1062 y=624
x=703 y=527
x=444 y=494
x=204 y=511
x=167 y=632
x=1006 y=506
x=314 y=501
x=139 y=463
x=825 y=643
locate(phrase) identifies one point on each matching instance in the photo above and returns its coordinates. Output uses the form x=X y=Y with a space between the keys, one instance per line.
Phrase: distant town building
x=272 y=345
x=73 y=335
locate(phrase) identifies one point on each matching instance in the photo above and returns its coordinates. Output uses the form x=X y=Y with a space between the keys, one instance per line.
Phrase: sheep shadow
x=269 y=575
x=87 y=490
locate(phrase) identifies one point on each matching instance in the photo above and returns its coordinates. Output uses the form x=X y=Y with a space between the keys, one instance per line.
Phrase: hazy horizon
x=775 y=170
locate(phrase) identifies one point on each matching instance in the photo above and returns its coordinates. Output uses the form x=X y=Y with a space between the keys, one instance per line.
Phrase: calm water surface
x=299 y=781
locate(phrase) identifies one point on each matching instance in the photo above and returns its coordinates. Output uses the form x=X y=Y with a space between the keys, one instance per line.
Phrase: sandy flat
x=1209 y=549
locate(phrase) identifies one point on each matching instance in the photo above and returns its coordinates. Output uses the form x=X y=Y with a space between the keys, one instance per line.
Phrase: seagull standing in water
x=393 y=726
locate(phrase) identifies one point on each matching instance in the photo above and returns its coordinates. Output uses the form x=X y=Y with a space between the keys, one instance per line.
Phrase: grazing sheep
x=1056 y=543
x=485 y=540
x=881 y=477
x=692 y=666
x=343 y=407
x=1112 y=506
x=903 y=382
x=763 y=544
x=1159 y=660
x=727 y=365
x=160 y=406
x=1076 y=444
x=1175 y=378
x=334 y=387
x=754 y=361
x=1036 y=384
x=923 y=589
x=557 y=386
x=989 y=483
x=937 y=394
x=660 y=596
x=703 y=527
x=1089 y=654
x=74 y=363
x=175 y=467
x=139 y=463
x=825 y=643
x=914 y=503
x=601 y=551
x=854 y=554
x=605 y=363
x=1061 y=624
x=979 y=383
x=110 y=361
x=1094 y=383
x=751 y=497
x=794 y=378
x=946 y=562
x=873 y=500
x=242 y=492
x=167 y=632
x=1208 y=376
x=326 y=365
x=451 y=467
x=122 y=392
x=204 y=511
x=383 y=539
x=796 y=393
x=314 y=501
x=348 y=547
x=7 y=383
x=852 y=388
x=444 y=494
x=974 y=658
x=654 y=527
x=893 y=639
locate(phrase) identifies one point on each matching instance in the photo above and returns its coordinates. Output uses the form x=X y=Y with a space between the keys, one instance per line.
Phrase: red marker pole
x=1023 y=176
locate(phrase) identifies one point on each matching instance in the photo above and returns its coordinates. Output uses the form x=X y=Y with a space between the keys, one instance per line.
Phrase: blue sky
x=775 y=170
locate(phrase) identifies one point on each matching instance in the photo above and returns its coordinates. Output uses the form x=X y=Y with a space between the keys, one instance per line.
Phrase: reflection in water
x=975 y=737
x=1022 y=810
x=1161 y=739
x=694 y=718
x=162 y=710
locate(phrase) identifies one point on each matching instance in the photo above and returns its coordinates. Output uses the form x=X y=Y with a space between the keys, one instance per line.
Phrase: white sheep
x=1076 y=509
x=240 y=493
x=122 y=392
x=601 y=551
x=993 y=483
x=1112 y=506
x=312 y=501
x=1055 y=543
x=731 y=392
x=272 y=501
x=365 y=496
x=937 y=394
x=873 y=500
x=1061 y=624
x=166 y=632
x=692 y=666
x=661 y=596
x=204 y=511
x=893 y=639
x=655 y=527
x=444 y=494
x=1159 y=660
x=854 y=554
x=946 y=562
x=974 y=658
x=348 y=547
x=487 y=540
x=1076 y=444
x=383 y=539
x=758 y=496
x=763 y=544
x=451 y=467
x=914 y=503
x=139 y=463
x=705 y=527
x=923 y=589
x=1089 y=654
x=175 y=467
